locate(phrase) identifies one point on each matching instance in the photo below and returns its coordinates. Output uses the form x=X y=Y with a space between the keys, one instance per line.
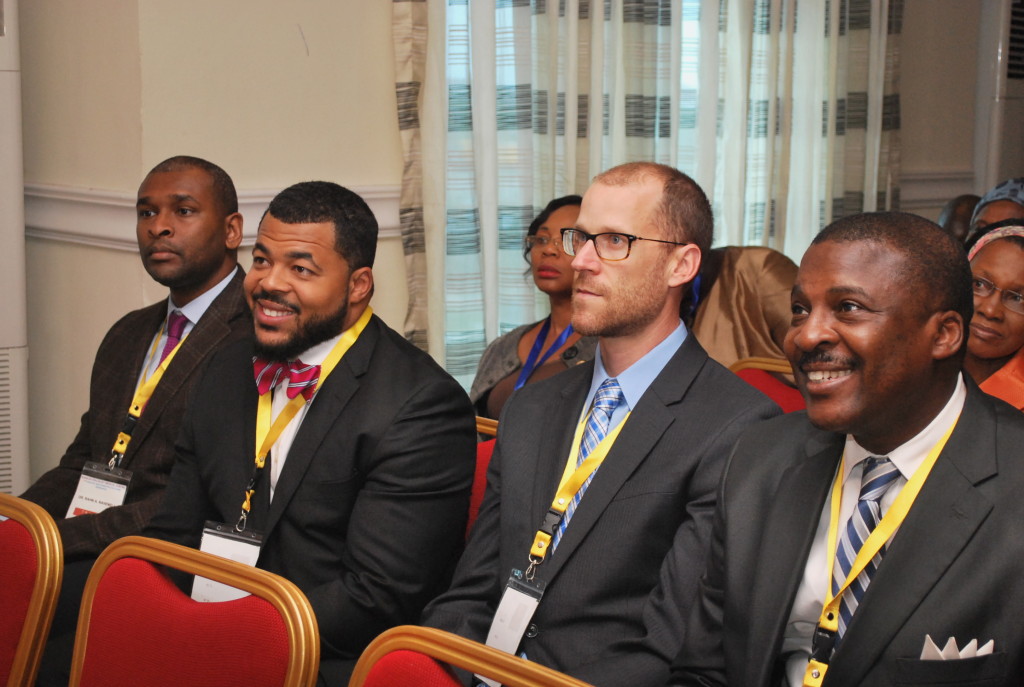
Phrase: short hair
x=684 y=213
x=312 y=202
x=934 y=263
x=549 y=209
x=223 y=187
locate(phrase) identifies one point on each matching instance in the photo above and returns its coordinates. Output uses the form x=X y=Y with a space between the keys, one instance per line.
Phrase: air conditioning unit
x=999 y=138
x=14 y=464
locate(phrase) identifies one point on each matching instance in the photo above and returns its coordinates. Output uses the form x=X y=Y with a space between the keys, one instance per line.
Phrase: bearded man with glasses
x=592 y=534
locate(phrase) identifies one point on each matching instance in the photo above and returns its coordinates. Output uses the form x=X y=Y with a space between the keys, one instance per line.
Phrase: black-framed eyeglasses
x=1012 y=300
x=610 y=245
x=542 y=242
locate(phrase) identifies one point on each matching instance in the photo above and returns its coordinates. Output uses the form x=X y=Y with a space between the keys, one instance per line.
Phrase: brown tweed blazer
x=150 y=454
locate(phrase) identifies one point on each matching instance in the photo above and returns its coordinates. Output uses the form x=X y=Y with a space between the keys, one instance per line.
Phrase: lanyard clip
x=115 y=459
x=240 y=525
x=823 y=642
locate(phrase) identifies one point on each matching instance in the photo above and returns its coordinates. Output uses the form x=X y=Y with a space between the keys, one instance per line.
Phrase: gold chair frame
x=485 y=425
x=43 y=602
x=284 y=596
x=509 y=670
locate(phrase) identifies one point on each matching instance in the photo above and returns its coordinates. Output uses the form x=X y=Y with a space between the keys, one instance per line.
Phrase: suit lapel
x=211 y=329
x=795 y=510
x=323 y=415
x=644 y=428
x=944 y=517
x=555 y=443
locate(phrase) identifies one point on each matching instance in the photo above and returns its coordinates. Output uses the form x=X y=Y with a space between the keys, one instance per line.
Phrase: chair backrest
x=30 y=577
x=756 y=372
x=484 y=451
x=136 y=627
x=413 y=645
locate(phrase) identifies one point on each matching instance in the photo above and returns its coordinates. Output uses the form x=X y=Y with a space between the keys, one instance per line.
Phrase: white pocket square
x=931 y=651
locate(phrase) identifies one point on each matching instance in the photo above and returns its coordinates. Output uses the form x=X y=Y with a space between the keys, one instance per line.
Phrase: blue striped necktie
x=878 y=476
x=606 y=400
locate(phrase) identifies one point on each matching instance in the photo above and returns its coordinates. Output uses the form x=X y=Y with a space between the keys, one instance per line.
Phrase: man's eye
x=186 y=211
x=1013 y=297
x=614 y=240
x=146 y=213
x=797 y=309
x=848 y=306
x=259 y=260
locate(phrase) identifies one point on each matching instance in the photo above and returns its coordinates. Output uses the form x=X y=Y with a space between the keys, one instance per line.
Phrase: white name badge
x=516 y=608
x=99 y=488
x=222 y=540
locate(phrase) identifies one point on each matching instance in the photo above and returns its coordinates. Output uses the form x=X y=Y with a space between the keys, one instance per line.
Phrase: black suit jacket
x=626 y=569
x=370 y=507
x=954 y=568
x=150 y=453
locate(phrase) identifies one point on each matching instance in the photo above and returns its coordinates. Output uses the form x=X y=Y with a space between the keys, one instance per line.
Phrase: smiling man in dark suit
x=361 y=497
x=188 y=229
x=620 y=571
x=855 y=542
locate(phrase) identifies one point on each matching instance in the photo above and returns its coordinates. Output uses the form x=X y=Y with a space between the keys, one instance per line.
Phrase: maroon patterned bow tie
x=299 y=377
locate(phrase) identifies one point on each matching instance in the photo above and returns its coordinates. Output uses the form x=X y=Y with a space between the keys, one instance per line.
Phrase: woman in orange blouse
x=995 y=348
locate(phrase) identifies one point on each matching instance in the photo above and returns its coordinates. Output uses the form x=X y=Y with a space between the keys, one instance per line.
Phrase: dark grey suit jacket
x=625 y=572
x=370 y=508
x=150 y=453
x=954 y=569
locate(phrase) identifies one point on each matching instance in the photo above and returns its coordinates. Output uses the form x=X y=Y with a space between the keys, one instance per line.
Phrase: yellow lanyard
x=267 y=434
x=142 y=395
x=828 y=622
x=571 y=482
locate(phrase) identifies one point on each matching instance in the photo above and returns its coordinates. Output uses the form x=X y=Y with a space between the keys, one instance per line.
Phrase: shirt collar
x=195 y=308
x=315 y=355
x=637 y=377
x=909 y=455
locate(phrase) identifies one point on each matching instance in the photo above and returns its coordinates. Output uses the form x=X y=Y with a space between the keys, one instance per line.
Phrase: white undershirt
x=810 y=596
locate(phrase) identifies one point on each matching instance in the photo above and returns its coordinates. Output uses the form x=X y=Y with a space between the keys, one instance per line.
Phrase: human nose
x=274 y=279
x=990 y=306
x=813 y=331
x=586 y=258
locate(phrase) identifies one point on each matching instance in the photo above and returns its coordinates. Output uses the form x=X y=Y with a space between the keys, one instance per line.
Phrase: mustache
x=823 y=357
x=266 y=296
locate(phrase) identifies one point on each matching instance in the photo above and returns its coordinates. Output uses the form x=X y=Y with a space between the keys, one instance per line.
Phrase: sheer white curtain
x=786 y=113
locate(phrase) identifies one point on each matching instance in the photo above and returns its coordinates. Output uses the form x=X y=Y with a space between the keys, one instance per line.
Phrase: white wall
x=273 y=92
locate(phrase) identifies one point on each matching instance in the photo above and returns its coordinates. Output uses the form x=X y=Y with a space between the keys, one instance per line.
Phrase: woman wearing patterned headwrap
x=995 y=347
x=1005 y=201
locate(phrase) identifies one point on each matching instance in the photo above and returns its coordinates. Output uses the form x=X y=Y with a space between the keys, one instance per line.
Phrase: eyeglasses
x=541 y=242
x=611 y=246
x=1012 y=300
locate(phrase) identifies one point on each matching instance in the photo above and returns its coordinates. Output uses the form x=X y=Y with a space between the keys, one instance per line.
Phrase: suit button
x=531 y=631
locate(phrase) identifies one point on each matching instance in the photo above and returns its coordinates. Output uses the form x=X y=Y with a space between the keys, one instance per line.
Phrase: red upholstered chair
x=137 y=628
x=30 y=577
x=405 y=657
x=484 y=450
x=755 y=372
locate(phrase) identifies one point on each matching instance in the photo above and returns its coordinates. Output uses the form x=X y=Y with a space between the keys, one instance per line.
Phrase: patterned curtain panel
x=785 y=117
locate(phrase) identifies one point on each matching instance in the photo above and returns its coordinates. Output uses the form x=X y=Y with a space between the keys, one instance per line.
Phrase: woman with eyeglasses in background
x=995 y=347
x=540 y=350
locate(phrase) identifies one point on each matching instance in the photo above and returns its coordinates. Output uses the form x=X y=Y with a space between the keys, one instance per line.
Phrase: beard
x=626 y=310
x=308 y=333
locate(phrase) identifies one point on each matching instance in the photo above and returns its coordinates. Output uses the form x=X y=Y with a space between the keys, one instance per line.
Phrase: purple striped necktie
x=176 y=322
x=298 y=377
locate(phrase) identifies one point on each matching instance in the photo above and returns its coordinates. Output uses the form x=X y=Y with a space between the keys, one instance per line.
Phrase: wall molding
x=920 y=190
x=106 y=219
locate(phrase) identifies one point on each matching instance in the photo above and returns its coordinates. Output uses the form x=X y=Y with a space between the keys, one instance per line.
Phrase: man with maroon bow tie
x=340 y=450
